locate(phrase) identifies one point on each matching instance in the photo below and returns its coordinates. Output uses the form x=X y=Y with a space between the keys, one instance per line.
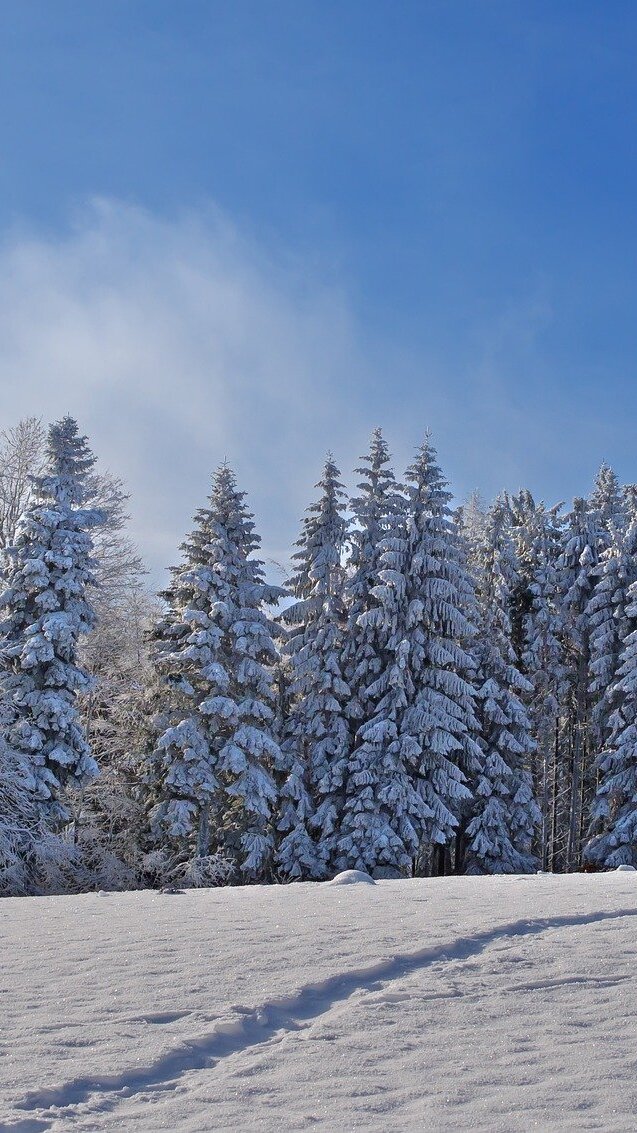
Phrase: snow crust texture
x=490 y=1003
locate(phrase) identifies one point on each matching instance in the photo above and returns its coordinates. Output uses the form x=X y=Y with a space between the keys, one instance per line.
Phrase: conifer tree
x=18 y=821
x=629 y=498
x=608 y=626
x=441 y=719
x=607 y=501
x=585 y=539
x=613 y=828
x=505 y=813
x=46 y=608
x=544 y=666
x=376 y=787
x=212 y=767
x=425 y=597
x=315 y=743
x=520 y=512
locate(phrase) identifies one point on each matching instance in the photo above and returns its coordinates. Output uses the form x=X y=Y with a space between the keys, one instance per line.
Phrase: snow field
x=492 y=1003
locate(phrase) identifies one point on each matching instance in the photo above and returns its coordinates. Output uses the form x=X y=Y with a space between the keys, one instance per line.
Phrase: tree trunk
x=203 y=834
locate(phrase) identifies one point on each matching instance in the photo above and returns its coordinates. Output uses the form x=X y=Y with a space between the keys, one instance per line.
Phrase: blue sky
x=310 y=218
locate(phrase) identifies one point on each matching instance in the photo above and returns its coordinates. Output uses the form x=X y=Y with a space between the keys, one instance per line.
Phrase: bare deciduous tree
x=22 y=451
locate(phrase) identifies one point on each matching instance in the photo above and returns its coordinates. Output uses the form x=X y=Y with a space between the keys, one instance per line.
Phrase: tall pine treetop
x=321 y=542
x=69 y=461
x=426 y=485
x=607 y=499
x=380 y=500
x=378 y=480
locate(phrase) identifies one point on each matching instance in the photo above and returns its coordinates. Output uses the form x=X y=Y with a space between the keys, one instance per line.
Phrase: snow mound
x=352 y=877
x=626 y=869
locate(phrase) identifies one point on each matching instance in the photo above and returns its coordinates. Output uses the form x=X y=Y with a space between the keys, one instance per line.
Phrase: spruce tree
x=505 y=813
x=629 y=499
x=428 y=720
x=613 y=828
x=18 y=822
x=521 y=520
x=607 y=621
x=441 y=720
x=49 y=572
x=607 y=501
x=544 y=666
x=585 y=539
x=315 y=742
x=212 y=767
x=376 y=787
x=470 y=519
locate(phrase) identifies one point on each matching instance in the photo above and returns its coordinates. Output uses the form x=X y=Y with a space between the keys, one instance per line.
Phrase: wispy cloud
x=178 y=343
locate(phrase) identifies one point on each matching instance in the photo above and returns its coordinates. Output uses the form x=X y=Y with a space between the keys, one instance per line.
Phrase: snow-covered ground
x=459 y=1004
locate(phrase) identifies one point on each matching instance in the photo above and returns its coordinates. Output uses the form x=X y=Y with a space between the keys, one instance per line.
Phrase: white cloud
x=177 y=344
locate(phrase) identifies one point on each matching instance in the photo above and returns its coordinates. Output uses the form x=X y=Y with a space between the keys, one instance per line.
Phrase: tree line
x=432 y=690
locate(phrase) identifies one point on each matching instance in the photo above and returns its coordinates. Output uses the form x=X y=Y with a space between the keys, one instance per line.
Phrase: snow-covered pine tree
x=470 y=519
x=428 y=599
x=523 y=515
x=211 y=770
x=613 y=827
x=629 y=498
x=34 y=859
x=605 y=609
x=536 y=636
x=608 y=502
x=45 y=606
x=374 y=834
x=505 y=815
x=585 y=539
x=316 y=736
x=543 y=662
x=18 y=822
x=608 y=625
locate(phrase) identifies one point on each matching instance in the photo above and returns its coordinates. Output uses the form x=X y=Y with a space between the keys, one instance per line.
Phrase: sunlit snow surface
x=459 y=1004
